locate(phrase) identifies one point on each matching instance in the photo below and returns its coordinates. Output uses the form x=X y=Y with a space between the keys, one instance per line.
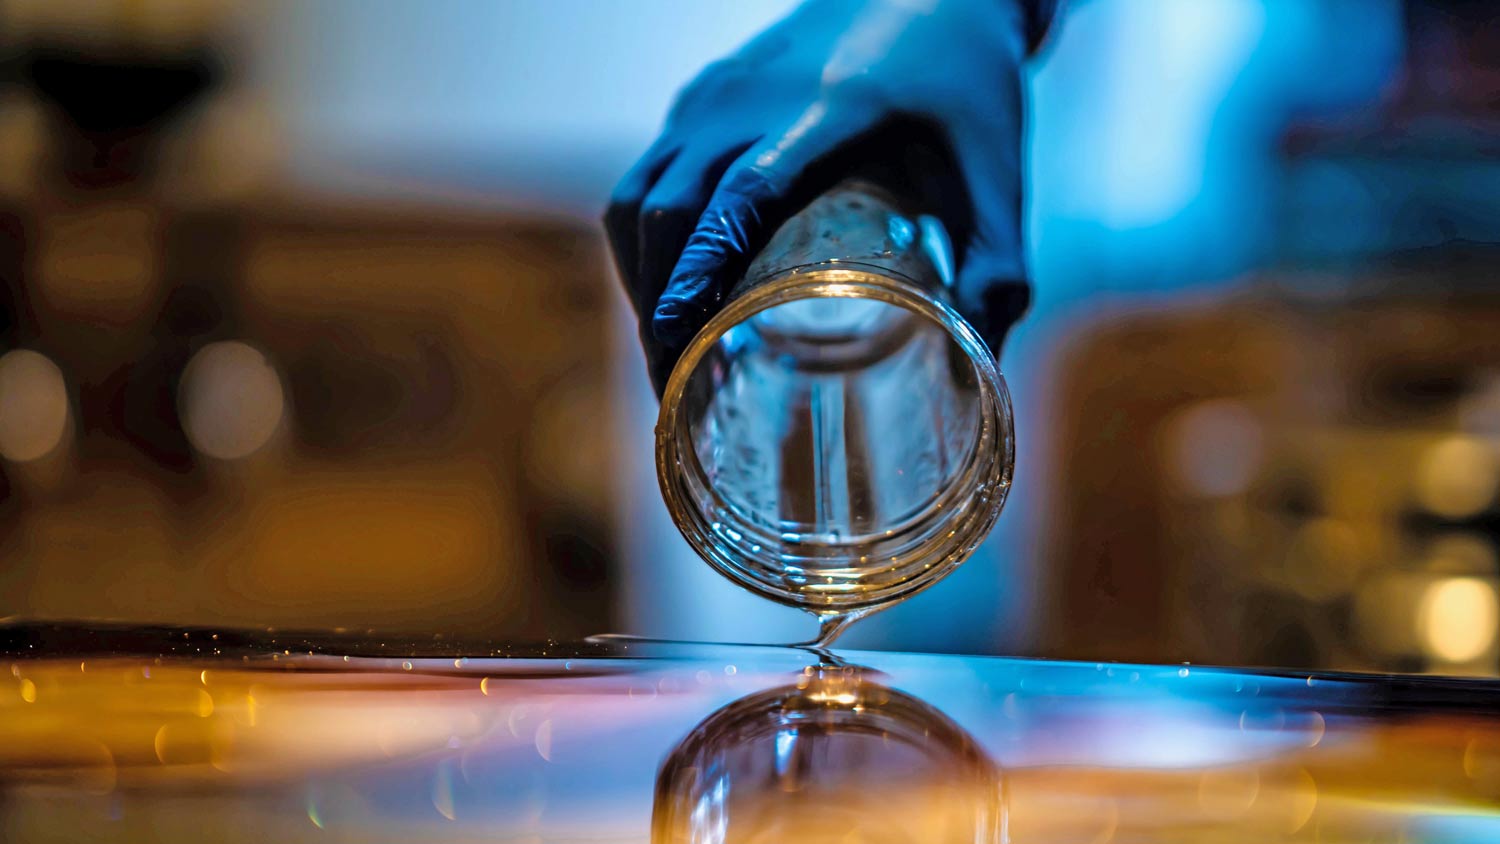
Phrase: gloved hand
x=921 y=94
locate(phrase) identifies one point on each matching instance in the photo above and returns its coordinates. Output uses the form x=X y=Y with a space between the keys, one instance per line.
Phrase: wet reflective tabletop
x=198 y=735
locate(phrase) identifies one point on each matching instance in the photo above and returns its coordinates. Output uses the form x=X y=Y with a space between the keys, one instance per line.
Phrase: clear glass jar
x=837 y=437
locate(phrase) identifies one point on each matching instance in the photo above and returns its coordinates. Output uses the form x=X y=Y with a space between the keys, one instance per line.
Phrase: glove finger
x=671 y=210
x=755 y=195
x=667 y=217
x=991 y=288
x=993 y=293
x=621 y=217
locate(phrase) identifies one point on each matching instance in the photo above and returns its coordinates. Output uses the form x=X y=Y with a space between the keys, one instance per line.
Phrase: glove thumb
x=992 y=292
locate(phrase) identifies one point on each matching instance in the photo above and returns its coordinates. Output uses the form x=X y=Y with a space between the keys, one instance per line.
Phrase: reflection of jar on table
x=835 y=757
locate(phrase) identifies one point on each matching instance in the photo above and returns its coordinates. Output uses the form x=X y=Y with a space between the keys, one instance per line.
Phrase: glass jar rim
x=680 y=474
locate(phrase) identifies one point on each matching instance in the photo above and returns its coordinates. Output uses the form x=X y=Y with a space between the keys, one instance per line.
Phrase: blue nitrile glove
x=922 y=94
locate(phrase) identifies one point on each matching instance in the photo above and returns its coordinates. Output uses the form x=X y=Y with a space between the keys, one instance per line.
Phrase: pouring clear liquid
x=837 y=438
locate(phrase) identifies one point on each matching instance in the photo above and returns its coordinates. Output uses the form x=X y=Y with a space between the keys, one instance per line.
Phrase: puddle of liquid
x=127 y=734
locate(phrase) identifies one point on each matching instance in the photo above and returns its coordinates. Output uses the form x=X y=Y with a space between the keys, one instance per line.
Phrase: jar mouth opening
x=838 y=574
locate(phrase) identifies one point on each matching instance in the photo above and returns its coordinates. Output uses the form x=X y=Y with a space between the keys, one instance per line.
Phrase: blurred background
x=306 y=321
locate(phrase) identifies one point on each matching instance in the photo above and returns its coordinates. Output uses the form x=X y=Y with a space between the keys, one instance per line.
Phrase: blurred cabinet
x=1274 y=481
x=227 y=400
